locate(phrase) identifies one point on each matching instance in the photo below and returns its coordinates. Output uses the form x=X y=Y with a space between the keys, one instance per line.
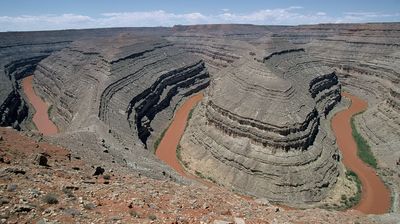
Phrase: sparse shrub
x=11 y=187
x=50 y=198
x=179 y=156
x=158 y=141
x=49 y=110
x=106 y=177
x=134 y=214
x=68 y=192
x=152 y=217
x=363 y=148
x=72 y=212
x=350 y=175
x=89 y=206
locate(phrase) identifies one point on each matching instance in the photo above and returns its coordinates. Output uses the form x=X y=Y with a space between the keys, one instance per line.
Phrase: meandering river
x=166 y=150
x=375 y=196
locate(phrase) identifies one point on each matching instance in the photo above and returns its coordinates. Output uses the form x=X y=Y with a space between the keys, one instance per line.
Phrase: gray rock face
x=20 y=52
x=366 y=59
x=122 y=91
x=259 y=130
x=130 y=85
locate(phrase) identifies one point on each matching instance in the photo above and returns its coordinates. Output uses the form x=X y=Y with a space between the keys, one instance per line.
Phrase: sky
x=27 y=15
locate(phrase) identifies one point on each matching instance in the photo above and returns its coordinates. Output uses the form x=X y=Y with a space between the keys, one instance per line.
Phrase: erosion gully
x=375 y=196
x=40 y=118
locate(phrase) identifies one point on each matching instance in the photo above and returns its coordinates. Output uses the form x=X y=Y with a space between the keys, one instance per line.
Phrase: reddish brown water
x=41 y=117
x=166 y=150
x=375 y=196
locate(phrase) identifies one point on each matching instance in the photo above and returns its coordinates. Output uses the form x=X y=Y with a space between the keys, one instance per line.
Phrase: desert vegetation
x=363 y=148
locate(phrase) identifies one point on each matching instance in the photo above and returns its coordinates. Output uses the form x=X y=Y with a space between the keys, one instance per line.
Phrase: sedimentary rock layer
x=20 y=52
x=217 y=52
x=366 y=59
x=123 y=89
x=259 y=130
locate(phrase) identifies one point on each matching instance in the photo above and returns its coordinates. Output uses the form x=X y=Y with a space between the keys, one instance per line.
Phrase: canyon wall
x=366 y=58
x=122 y=91
x=20 y=52
x=259 y=129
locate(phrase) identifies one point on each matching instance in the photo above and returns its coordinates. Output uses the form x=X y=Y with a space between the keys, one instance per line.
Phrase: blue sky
x=69 y=14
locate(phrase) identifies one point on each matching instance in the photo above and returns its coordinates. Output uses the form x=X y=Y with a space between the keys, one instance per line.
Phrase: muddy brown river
x=375 y=196
x=41 y=117
x=166 y=150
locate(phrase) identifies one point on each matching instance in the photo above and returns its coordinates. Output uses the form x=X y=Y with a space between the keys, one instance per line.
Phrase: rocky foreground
x=43 y=183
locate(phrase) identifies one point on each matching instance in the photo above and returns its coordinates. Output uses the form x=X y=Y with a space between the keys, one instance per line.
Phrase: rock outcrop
x=366 y=60
x=259 y=129
x=130 y=84
x=20 y=52
x=122 y=91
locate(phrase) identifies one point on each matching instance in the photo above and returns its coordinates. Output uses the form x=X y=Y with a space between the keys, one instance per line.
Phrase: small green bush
x=68 y=192
x=134 y=214
x=106 y=177
x=350 y=175
x=363 y=148
x=50 y=198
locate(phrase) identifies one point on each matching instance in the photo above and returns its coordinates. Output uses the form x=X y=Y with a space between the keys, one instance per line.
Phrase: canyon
x=263 y=128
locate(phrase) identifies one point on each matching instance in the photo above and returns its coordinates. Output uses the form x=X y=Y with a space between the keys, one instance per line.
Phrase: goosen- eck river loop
x=375 y=197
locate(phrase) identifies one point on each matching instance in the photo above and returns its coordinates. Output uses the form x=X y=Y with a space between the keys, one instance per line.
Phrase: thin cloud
x=367 y=16
x=280 y=16
x=150 y=18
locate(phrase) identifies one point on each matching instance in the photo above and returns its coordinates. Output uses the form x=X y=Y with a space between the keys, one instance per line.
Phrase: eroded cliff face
x=18 y=60
x=20 y=52
x=131 y=85
x=259 y=130
x=121 y=91
x=366 y=60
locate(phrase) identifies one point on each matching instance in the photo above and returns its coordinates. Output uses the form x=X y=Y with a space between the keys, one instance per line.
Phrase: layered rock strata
x=123 y=90
x=20 y=52
x=366 y=60
x=17 y=61
x=259 y=132
x=217 y=52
